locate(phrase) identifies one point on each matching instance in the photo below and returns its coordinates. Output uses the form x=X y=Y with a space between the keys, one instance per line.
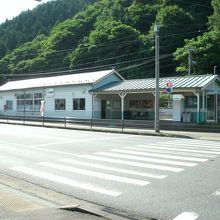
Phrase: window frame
x=80 y=104
x=9 y=107
x=25 y=102
x=56 y=108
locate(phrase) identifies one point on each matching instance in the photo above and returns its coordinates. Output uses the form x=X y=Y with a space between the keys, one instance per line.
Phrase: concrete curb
x=65 y=202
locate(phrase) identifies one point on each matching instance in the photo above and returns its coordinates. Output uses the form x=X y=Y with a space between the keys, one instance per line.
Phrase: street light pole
x=215 y=67
x=189 y=61
x=157 y=73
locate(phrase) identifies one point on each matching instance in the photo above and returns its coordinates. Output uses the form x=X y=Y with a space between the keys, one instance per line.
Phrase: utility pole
x=189 y=61
x=157 y=74
x=215 y=67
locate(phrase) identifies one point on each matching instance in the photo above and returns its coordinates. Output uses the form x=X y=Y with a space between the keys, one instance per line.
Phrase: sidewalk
x=212 y=136
x=196 y=135
x=21 y=200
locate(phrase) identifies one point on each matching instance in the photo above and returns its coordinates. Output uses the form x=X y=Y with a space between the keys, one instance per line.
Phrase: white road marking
x=116 y=169
x=187 y=145
x=158 y=155
x=179 y=149
x=187 y=216
x=11 y=143
x=164 y=151
x=131 y=163
x=66 y=181
x=211 y=143
x=216 y=193
x=80 y=140
x=95 y=174
x=187 y=164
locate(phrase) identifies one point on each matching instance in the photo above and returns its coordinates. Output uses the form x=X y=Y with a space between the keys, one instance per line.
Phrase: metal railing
x=105 y=124
x=77 y=123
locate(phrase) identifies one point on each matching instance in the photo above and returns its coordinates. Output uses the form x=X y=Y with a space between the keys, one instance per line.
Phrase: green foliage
x=141 y=16
x=81 y=34
x=204 y=50
x=107 y=44
x=30 y=24
x=215 y=18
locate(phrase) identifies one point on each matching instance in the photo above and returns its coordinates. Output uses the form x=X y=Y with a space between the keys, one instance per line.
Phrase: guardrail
x=76 y=123
x=106 y=124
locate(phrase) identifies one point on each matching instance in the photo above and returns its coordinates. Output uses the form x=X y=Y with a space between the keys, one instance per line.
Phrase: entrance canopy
x=196 y=90
x=179 y=84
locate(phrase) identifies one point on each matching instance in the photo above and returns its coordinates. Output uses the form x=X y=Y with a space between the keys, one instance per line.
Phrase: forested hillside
x=30 y=24
x=119 y=34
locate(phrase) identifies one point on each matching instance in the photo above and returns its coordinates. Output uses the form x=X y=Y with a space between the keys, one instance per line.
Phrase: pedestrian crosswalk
x=137 y=165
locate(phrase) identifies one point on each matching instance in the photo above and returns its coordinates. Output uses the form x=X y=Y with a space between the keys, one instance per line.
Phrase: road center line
x=40 y=149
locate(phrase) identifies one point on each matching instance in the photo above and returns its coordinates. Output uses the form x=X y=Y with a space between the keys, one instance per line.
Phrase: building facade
x=106 y=95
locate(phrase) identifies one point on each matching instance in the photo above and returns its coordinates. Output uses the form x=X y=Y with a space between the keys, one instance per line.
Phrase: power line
x=185 y=33
x=196 y=4
x=73 y=70
x=144 y=63
x=109 y=43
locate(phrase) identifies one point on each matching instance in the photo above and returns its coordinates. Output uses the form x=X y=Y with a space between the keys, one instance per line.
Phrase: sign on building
x=50 y=93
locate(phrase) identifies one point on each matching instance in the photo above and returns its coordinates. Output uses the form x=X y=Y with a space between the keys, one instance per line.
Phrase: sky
x=12 y=8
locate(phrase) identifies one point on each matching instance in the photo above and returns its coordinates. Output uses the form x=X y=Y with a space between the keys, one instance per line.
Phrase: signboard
x=178 y=97
x=50 y=93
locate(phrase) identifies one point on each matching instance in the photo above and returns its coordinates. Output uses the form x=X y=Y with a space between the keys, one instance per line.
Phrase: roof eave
x=46 y=86
x=112 y=71
x=145 y=91
x=211 y=81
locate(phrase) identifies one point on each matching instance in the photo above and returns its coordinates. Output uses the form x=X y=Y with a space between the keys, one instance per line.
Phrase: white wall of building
x=69 y=93
x=62 y=92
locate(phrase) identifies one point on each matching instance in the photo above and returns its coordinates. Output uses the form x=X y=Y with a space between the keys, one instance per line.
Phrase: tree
x=141 y=16
x=107 y=45
x=214 y=20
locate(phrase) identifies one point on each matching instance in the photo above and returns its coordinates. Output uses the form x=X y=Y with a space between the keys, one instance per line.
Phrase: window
x=116 y=104
x=191 y=102
x=79 y=104
x=38 y=97
x=9 y=105
x=60 y=104
x=28 y=104
x=29 y=101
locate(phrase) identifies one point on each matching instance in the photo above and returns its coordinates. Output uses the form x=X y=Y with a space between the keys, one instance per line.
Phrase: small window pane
x=20 y=105
x=79 y=104
x=37 y=104
x=28 y=105
x=37 y=95
x=28 y=96
x=9 y=105
x=60 y=104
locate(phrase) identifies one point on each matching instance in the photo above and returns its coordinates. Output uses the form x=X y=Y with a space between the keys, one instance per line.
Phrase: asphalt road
x=157 y=177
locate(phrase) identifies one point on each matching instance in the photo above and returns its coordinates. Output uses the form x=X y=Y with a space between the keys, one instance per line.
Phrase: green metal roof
x=193 y=83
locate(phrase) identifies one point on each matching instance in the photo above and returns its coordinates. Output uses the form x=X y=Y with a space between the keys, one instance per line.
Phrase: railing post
x=122 y=96
x=65 y=122
x=91 y=124
x=122 y=125
x=7 y=118
x=43 y=121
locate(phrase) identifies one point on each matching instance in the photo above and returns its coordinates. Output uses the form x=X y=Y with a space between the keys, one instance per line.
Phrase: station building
x=107 y=95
